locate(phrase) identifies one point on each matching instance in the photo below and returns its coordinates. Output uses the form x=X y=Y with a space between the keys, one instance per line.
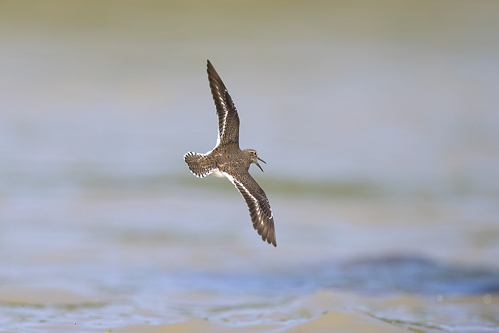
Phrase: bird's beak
x=259 y=164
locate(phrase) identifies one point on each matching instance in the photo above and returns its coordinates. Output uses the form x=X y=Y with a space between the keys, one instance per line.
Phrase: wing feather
x=228 y=119
x=258 y=205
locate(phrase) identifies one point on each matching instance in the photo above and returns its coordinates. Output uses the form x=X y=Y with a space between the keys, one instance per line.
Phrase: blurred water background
x=378 y=121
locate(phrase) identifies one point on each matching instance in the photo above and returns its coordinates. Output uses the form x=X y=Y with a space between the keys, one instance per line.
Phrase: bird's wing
x=258 y=205
x=228 y=119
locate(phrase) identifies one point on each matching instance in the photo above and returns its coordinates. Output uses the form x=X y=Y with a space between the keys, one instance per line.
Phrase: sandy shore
x=323 y=311
x=334 y=321
x=329 y=322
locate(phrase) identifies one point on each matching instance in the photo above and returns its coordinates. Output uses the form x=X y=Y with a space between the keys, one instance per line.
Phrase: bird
x=229 y=161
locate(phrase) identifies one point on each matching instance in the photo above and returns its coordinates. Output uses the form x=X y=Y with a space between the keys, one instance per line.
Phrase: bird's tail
x=197 y=164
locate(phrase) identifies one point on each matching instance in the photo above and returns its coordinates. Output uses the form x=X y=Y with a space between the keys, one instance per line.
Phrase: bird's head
x=254 y=158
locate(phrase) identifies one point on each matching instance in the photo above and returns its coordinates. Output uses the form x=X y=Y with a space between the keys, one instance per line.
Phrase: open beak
x=259 y=164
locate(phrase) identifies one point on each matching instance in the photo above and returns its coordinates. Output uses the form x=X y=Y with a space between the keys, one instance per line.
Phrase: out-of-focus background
x=379 y=123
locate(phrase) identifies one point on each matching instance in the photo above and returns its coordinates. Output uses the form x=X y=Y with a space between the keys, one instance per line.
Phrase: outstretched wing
x=228 y=119
x=258 y=205
x=198 y=164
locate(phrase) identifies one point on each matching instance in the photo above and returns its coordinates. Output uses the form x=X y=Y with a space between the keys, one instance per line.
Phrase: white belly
x=217 y=173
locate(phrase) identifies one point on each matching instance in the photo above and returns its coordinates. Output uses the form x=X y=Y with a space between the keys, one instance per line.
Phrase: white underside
x=217 y=173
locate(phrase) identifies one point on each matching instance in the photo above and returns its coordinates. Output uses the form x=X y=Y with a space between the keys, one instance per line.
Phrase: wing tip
x=267 y=232
x=269 y=239
x=211 y=69
x=214 y=77
x=272 y=240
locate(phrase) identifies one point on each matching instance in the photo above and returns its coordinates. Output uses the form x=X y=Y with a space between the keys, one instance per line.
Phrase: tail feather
x=197 y=165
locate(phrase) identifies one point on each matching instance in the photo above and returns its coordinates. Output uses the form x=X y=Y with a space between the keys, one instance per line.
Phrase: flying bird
x=228 y=160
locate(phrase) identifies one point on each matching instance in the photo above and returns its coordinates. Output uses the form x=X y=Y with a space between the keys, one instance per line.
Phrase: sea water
x=378 y=123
